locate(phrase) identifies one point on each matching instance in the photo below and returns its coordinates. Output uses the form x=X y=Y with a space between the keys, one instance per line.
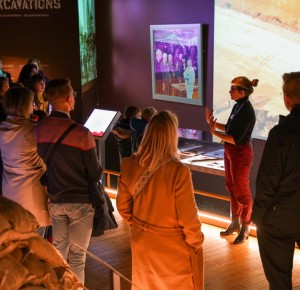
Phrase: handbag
x=47 y=159
x=104 y=218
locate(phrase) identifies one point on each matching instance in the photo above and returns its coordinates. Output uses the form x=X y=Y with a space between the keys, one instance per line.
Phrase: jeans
x=72 y=223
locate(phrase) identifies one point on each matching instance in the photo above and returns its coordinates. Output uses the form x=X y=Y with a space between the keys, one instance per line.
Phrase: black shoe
x=235 y=226
x=243 y=235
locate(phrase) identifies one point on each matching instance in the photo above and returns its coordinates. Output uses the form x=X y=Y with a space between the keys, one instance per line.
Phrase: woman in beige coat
x=156 y=197
x=22 y=167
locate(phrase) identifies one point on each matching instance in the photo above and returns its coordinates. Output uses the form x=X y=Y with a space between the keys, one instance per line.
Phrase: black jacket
x=278 y=177
x=241 y=121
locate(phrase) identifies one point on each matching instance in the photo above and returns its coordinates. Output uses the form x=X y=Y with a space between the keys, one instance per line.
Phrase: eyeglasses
x=74 y=94
x=233 y=88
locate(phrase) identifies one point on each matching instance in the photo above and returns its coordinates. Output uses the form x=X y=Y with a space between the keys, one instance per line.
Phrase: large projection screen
x=256 y=39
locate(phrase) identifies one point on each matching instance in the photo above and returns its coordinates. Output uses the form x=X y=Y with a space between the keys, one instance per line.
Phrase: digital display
x=100 y=122
x=177 y=63
x=259 y=40
x=189 y=133
x=87 y=40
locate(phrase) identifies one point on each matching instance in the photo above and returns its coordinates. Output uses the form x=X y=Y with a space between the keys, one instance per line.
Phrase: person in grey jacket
x=22 y=166
x=276 y=208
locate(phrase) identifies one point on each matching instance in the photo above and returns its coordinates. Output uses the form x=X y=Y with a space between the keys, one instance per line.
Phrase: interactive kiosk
x=100 y=123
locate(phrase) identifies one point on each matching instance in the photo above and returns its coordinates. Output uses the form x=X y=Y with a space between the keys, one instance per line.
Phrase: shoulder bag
x=104 y=218
x=44 y=177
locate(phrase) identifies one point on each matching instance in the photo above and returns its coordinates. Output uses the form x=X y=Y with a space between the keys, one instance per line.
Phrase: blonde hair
x=147 y=113
x=159 y=143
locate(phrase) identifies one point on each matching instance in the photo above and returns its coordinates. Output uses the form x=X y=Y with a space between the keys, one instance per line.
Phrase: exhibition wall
x=124 y=68
x=48 y=31
x=124 y=53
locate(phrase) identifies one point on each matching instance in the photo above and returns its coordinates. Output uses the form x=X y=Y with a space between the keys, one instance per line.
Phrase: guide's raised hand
x=209 y=115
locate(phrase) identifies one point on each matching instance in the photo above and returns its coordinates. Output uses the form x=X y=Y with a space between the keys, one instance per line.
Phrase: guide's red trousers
x=238 y=160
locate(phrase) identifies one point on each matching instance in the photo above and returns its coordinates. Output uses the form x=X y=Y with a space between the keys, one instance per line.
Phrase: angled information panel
x=101 y=122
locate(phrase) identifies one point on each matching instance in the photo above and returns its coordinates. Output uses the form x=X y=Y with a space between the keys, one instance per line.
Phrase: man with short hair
x=276 y=208
x=72 y=164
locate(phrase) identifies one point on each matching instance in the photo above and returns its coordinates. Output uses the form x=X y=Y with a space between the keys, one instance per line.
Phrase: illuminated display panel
x=87 y=40
x=100 y=122
x=259 y=40
x=176 y=62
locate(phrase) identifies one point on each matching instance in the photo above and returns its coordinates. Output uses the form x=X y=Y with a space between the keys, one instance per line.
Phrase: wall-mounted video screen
x=87 y=40
x=176 y=61
x=259 y=40
x=101 y=122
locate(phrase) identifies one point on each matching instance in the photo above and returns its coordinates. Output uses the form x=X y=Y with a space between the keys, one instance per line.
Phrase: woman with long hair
x=40 y=104
x=26 y=73
x=37 y=85
x=156 y=197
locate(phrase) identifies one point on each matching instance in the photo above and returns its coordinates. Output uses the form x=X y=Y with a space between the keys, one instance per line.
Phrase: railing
x=115 y=275
x=206 y=217
x=108 y=174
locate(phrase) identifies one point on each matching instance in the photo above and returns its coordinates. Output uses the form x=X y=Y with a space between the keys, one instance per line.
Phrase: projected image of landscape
x=257 y=39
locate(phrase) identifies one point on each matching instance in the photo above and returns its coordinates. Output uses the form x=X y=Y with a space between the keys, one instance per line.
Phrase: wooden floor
x=227 y=266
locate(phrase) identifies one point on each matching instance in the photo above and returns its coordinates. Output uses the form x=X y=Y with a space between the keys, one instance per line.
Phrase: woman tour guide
x=238 y=155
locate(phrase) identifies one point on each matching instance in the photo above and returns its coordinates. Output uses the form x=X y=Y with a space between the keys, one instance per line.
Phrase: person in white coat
x=189 y=79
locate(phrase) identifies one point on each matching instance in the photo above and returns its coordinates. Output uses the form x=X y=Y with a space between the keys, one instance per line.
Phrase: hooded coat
x=22 y=167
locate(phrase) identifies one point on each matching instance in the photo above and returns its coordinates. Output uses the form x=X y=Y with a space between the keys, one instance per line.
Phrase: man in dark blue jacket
x=276 y=208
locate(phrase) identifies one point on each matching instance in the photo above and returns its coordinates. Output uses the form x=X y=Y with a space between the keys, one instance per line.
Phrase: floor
x=227 y=266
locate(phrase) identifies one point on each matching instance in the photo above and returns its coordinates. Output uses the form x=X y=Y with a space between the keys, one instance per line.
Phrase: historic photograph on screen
x=176 y=61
